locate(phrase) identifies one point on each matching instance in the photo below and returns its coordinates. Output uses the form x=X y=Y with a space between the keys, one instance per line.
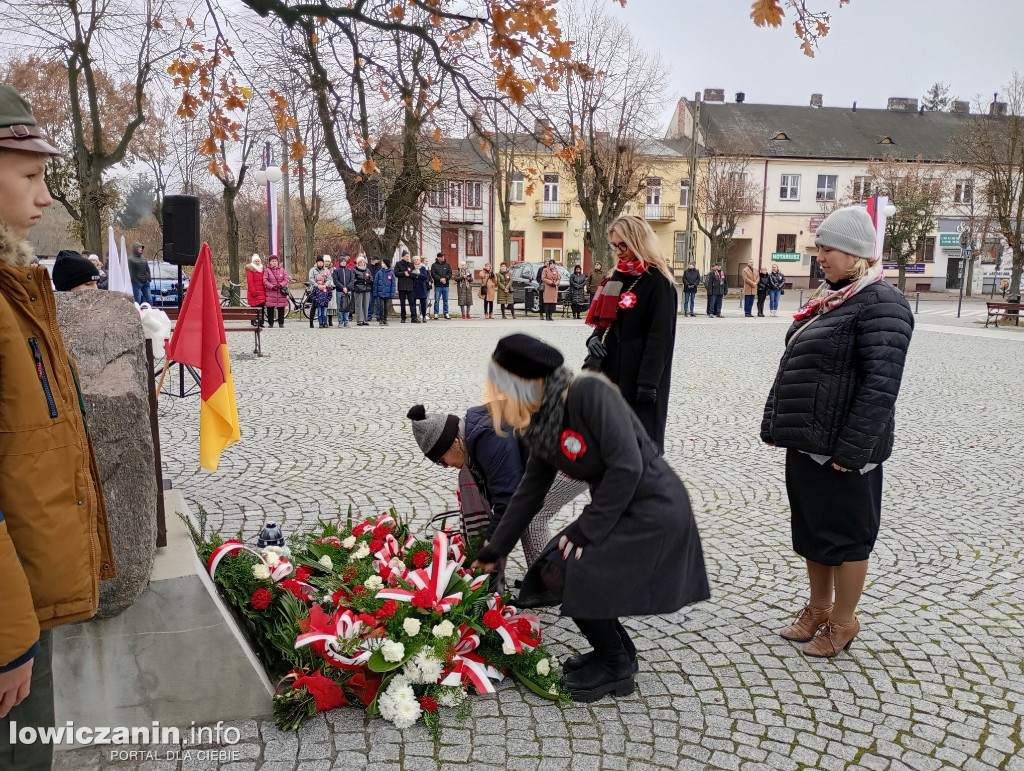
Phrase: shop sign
x=786 y=256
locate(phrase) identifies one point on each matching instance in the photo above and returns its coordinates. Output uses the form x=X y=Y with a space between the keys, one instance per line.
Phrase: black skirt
x=835 y=514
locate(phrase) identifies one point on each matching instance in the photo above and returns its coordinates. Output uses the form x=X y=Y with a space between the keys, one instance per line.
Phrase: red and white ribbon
x=344 y=625
x=470 y=666
x=508 y=630
x=278 y=572
x=434 y=578
x=362 y=527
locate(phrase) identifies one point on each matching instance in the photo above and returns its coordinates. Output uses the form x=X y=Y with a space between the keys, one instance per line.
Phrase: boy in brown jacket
x=54 y=544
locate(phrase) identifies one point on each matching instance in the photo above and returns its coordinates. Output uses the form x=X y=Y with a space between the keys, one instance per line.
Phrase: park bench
x=235 y=320
x=1004 y=310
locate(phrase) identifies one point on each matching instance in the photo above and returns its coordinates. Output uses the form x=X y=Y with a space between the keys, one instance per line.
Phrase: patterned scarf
x=605 y=308
x=545 y=429
x=825 y=299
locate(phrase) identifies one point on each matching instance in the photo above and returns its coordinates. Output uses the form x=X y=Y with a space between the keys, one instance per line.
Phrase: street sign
x=786 y=256
x=815 y=222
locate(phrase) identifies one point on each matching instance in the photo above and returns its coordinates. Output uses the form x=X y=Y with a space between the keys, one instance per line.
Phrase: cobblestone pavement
x=934 y=680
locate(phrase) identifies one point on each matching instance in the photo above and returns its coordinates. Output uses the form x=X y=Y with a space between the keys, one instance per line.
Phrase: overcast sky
x=876 y=49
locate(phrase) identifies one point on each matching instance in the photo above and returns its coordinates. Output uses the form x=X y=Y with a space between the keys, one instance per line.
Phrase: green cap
x=18 y=129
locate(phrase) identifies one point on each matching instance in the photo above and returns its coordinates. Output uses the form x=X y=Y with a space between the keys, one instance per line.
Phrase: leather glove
x=646 y=394
x=596 y=348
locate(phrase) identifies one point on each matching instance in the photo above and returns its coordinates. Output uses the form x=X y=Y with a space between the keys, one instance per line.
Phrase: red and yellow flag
x=199 y=341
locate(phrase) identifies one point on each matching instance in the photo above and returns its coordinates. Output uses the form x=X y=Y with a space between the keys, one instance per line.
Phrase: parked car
x=524 y=277
x=163 y=284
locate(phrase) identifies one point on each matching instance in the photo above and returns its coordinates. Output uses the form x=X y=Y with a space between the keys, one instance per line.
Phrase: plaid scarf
x=605 y=308
x=826 y=300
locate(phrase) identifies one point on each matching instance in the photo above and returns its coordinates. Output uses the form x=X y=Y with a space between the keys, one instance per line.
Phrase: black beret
x=527 y=357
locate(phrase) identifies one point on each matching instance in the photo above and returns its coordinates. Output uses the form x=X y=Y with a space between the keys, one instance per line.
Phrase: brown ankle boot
x=807 y=622
x=832 y=639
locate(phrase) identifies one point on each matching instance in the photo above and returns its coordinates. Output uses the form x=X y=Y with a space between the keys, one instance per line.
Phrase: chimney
x=714 y=94
x=681 y=107
x=997 y=108
x=740 y=97
x=816 y=100
x=960 y=108
x=901 y=104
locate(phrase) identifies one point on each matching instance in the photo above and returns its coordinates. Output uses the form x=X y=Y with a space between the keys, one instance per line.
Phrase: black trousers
x=488 y=306
x=760 y=302
x=270 y=316
x=36 y=711
x=423 y=307
x=549 y=310
x=577 y=310
x=405 y=296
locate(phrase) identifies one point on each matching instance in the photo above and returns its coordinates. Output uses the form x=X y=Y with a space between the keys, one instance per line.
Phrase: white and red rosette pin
x=627 y=300
x=572 y=444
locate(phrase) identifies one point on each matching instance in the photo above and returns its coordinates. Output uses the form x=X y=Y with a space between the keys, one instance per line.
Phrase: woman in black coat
x=577 y=291
x=635 y=549
x=634 y=320
x=832 y=407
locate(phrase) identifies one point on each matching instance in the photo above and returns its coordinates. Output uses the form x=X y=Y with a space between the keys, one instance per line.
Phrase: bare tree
x=601 y=120
x=105 y=49
x=725 y=193
x=917 y=190
x=993 y=146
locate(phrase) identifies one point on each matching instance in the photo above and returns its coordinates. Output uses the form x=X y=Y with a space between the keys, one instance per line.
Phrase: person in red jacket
x=256 y=292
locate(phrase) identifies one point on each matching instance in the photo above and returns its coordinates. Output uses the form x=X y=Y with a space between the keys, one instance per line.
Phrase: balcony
x=552 y=210
x=664 y=212
x=460 y=215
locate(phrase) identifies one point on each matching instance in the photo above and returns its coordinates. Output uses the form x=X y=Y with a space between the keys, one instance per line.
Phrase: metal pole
x=691 y=246
x=800 y=304
x=963 y=278
x=270 y=224
x=154 y=428
x=917 y=303
x=286 y=225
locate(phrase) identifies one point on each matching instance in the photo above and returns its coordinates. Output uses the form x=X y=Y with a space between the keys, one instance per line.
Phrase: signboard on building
x=949 y=240
x=911 y=267
x=816 y=221
x=785 y=256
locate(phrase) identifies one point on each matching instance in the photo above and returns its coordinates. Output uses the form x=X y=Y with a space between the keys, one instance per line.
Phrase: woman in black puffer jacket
x=832 y=407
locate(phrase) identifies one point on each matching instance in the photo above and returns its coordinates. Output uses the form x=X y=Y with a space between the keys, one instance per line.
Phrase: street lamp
x=269 y=176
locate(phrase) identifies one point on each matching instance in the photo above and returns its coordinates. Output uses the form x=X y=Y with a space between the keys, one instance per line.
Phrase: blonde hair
x=860 y=268
x=643 y=242
x=507 y=410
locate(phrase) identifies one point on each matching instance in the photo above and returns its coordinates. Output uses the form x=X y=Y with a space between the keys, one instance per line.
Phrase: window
x=474 y=195
x=654 y=191
x=518 y=192
x=739 y=177
x=862 y=188
x=963 y=191
x=684 y=193
x=550 y=188
x=926 y=252
x=789 y=190
x=782 y=136
x=785 y=242
x=474 y=243
x=436 y=197
x=455 y=194
x=826 y=187
x=680 y=247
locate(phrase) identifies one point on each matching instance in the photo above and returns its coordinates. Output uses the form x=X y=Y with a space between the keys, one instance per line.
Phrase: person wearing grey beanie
x=849 y=341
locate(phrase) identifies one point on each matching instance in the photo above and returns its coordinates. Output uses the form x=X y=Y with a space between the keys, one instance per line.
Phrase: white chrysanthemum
x=261 y=571
x=543 y=667
x=392 y=651
x=362 y=551
x=553 y=690
x=271 y=558
x=373 y=583
x=508 y=648
x=398 y=704
x=451 y=697
x=412 y=626
x=445 y=629
x=327 y=562
x=349 y=542
x=423 y=668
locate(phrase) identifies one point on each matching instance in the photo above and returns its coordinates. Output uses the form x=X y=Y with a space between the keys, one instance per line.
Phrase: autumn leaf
x=437 y=134
x=822 y=29
x=397 y=12
x=297 y=151
x=766 y=13
x=208 y=147
x=807 y=49
x=369 y=167
x=435 y=164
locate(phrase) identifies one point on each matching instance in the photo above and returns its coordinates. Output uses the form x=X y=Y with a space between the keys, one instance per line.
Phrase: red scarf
x=605 y=308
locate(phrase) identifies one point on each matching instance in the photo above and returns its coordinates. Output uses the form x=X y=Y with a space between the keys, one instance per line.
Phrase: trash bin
x=1013 y=311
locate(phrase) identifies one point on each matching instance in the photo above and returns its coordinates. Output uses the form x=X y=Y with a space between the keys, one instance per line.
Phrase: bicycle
x=302 y=306
x=229 y=290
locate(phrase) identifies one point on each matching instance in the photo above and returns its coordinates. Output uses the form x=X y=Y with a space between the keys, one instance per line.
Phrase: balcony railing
x=655 y=212
x=552 y=210
x=461 y=215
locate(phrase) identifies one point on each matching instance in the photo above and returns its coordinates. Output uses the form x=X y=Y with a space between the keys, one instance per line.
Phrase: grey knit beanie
x=435 y=434
x=849 y=230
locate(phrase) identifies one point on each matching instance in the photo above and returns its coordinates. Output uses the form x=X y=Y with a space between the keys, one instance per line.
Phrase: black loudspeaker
x=181 y=229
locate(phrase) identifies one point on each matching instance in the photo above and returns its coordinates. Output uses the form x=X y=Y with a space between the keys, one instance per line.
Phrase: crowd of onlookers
x=759 y=284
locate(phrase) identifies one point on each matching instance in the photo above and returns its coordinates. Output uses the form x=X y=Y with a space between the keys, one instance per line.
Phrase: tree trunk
x=91 y=207
x=901 y=282
x=969 y=288
x=234 y=275
x=310 y=233
x=1015 y=274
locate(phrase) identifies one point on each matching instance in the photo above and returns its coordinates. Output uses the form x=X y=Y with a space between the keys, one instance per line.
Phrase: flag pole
x=160 y=385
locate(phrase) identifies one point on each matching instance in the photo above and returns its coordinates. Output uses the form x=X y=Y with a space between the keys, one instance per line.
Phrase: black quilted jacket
x=835 y=391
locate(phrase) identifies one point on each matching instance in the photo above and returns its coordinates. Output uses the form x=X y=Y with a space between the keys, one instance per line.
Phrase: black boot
x=573 y=663
x=609 y=670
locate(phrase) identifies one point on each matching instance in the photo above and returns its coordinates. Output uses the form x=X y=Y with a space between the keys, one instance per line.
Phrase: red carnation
x=302 y=574
x=388 y=609
x=385 y=573
x=424 y=598
x=376 y=545
x=493 y=619
x=293 y=586
x=420 y=559
x=358 y=589
x=427 y=704
x=349 y=574
x=381 y=531
x=261 y=598
x=524 y=627
x=341 y=597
